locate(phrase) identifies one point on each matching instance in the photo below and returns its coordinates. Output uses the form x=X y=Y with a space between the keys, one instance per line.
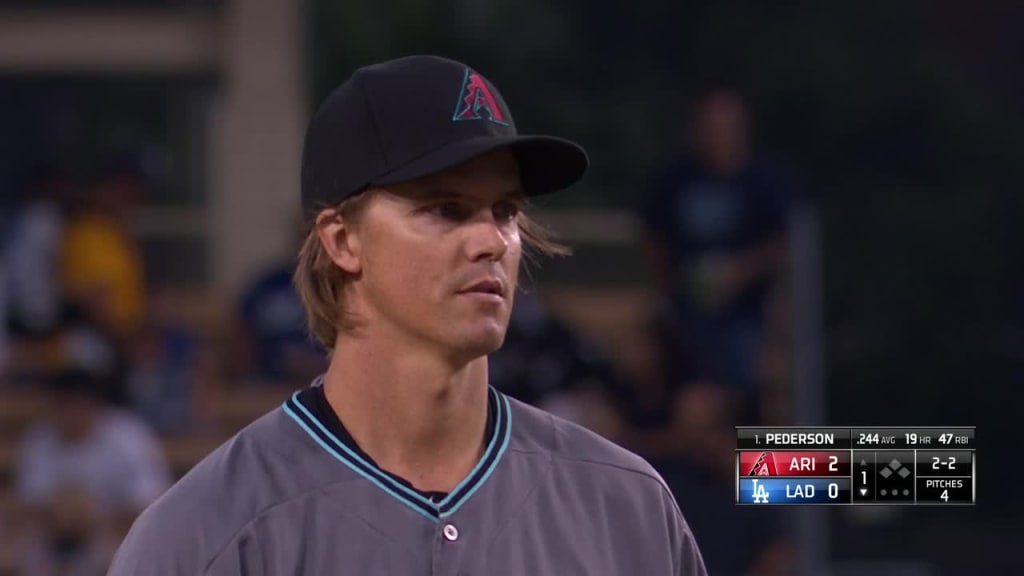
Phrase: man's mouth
x=486 y=286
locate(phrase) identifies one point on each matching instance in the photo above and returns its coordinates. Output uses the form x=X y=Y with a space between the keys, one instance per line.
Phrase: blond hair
x=320 y=282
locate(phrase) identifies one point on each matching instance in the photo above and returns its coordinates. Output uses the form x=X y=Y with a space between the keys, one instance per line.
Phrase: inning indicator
x=841 y=466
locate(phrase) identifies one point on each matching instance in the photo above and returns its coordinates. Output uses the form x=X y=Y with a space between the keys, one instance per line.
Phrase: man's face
x=438 y=258
x=721 y=131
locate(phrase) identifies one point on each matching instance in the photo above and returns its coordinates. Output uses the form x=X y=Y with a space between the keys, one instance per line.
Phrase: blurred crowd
x=119 y=369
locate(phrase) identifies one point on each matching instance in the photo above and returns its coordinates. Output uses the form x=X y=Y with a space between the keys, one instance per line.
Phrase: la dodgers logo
x=760 y=494
x=476 y=102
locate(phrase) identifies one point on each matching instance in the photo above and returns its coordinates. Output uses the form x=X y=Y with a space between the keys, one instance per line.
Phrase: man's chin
x=481 y=341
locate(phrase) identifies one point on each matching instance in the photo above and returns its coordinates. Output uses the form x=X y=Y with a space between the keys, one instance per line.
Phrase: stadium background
x=898 y=124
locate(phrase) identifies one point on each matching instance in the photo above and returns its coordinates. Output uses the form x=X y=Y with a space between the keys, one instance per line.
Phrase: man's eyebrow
x=517 y=196
x=441 y=193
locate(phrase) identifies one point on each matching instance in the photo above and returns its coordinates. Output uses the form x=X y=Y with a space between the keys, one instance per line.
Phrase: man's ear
x=340 y=241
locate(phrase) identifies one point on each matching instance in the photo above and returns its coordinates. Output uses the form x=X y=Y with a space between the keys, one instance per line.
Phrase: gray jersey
x=286 y=496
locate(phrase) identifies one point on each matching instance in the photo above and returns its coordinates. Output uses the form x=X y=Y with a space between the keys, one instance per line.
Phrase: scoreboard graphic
x=855 y=466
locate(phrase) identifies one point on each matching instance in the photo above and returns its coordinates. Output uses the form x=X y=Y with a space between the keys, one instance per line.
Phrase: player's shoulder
x=617 y=486
x=199 y=515
x=576 y=448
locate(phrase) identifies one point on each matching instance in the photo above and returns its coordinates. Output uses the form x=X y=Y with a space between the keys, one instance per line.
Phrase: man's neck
x=413 y=414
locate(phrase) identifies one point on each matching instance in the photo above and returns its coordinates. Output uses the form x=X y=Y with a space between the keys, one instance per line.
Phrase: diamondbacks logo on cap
x=476 y=102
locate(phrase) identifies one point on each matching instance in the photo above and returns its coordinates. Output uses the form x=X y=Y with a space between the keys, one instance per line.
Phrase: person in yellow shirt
x=101 y=264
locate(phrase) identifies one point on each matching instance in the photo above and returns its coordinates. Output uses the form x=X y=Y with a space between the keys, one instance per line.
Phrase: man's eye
x=506 y=211
x=450 y=211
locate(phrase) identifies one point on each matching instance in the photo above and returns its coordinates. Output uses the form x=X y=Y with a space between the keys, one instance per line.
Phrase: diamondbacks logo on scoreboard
x=765 y=466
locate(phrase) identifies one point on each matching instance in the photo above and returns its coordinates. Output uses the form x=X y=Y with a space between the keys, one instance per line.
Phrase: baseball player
x=401 y=459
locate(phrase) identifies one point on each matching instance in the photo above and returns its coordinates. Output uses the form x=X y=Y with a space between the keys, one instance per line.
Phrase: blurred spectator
x=272 y=343
x=31 y=255
x=83 y=475
x=74 y=546
x=86 y=345
x=101 y=262
x=701 y=474
x=541 y=358
x=716 y=221
x=647 y=407
x=171 y=381
x=102 y=274
x=76 y=343
x=544 y=363
x=31 y=304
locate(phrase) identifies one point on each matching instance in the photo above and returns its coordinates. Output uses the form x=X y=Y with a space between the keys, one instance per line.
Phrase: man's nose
x=486 y=239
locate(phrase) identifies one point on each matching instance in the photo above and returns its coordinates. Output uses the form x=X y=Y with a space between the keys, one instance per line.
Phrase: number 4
x=945 y=496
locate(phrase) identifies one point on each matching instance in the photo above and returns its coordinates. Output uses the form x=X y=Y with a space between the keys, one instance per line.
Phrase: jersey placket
x=450 y=541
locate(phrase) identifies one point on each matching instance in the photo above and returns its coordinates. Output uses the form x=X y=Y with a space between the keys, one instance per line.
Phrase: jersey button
x=451 y=533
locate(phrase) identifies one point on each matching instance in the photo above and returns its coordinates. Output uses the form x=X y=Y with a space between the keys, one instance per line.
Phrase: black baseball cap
x=406 y=118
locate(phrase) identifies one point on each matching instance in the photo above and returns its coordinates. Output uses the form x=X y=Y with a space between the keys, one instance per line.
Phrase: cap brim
x=546 y=163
